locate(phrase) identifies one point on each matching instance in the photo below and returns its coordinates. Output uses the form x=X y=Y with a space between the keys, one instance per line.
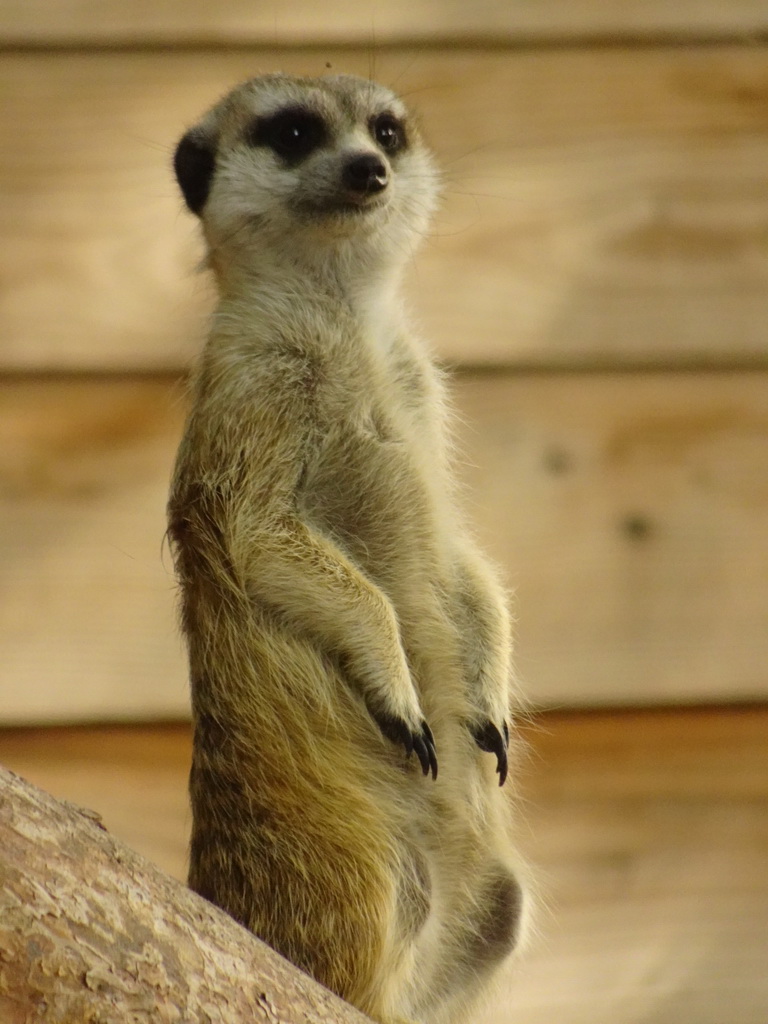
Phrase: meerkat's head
x=308 y=166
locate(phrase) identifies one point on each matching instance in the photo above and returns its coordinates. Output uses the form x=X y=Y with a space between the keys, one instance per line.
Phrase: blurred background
x=597 y=279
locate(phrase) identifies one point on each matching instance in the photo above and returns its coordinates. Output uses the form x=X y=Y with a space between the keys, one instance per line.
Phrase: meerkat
x=346 y=639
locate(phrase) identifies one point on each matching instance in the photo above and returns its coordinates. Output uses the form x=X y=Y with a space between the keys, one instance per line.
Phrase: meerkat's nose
x=365 y=174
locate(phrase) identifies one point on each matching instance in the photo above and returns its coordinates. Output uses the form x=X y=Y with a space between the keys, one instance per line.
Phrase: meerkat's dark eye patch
x=292 y=133
x=389 y=133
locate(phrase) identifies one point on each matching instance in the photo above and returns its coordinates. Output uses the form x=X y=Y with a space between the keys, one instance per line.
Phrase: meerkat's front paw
x=421 y=740
x=488 y=737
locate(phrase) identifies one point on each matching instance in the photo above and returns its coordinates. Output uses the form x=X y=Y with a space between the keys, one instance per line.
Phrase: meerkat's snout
x=364 y=176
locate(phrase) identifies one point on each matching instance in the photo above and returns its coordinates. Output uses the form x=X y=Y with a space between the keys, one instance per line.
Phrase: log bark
x=92 y=933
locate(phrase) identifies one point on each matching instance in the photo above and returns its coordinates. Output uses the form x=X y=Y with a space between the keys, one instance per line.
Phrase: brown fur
x=328 y=581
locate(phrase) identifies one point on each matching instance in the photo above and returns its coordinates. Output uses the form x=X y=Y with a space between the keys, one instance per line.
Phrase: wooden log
x=91 y=932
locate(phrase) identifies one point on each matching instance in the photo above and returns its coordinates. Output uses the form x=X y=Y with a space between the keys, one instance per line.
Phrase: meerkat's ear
x=194 y=163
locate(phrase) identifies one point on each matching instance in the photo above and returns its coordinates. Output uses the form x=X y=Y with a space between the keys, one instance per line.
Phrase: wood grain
x=628 y=512
x=87 y=617
x=603 y=207
x=238 y=21
x=649 y=830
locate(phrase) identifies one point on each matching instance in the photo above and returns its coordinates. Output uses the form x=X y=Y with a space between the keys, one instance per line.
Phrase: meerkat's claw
x=424 y=746
x=398 y=731
x=488 y=737
x=395 y=729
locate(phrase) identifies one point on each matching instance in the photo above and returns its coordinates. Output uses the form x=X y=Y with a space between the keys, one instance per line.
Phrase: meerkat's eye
x=389 y=132
x=293 y=134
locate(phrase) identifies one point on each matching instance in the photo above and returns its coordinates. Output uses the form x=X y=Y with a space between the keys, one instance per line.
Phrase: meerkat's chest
x=374 y=476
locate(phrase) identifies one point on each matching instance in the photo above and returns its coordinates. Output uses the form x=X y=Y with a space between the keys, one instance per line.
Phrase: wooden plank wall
x=602 y=206
x=169 y=22
x=598 y=277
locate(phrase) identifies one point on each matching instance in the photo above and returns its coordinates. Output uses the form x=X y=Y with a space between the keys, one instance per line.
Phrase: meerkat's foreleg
x=487 y=649
x=311 y=584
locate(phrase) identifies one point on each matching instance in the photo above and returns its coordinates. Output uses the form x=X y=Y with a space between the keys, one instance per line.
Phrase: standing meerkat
x=345 y=636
